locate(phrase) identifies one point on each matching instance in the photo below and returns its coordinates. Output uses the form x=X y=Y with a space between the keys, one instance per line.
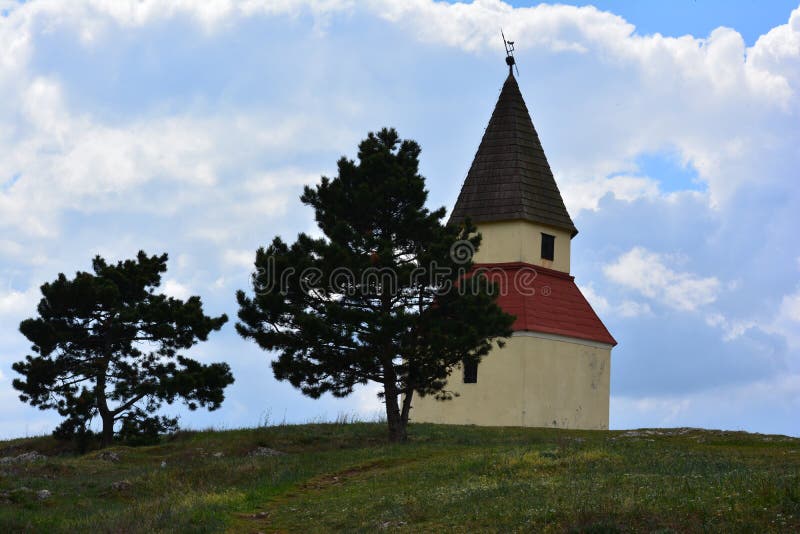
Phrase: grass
x=455 y=479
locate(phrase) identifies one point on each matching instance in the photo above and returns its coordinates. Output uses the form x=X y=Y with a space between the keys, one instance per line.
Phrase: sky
x=190 y=128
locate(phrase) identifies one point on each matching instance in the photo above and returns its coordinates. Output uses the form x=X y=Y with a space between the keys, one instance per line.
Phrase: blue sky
x=751 y=18
x=191 y=128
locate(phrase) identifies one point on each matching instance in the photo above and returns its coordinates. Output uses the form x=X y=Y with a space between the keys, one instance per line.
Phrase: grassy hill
x=455 y=479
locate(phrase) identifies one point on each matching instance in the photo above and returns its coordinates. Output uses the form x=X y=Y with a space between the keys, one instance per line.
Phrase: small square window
x=548 y=246
x=470 y=371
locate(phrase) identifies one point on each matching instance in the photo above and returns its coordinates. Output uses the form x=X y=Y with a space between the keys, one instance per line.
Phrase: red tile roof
x=545 y=300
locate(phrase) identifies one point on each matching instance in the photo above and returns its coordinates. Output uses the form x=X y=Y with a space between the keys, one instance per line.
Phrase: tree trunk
x=406 y=407
x=108 y=430
x=397 y=425
x=106 y=415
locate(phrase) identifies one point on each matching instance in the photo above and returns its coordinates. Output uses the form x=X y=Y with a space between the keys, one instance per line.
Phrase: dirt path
x=260 y=521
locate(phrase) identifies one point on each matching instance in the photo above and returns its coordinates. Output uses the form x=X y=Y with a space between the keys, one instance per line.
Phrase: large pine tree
x=107 y=344
x=382 y=296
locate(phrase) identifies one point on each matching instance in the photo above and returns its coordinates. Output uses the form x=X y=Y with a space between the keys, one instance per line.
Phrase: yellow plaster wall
x=532 y=381
x=509 y=241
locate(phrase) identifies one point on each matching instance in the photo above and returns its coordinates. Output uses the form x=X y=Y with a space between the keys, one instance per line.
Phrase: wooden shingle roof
x=510 y=177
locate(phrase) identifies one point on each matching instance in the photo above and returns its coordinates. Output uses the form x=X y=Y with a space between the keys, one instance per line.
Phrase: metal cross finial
x=512 y=64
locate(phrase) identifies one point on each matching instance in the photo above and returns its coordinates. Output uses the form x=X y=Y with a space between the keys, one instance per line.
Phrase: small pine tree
x=369 y=300
x=106 y=344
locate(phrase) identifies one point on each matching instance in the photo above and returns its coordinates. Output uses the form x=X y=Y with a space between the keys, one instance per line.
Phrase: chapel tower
x=555 y=369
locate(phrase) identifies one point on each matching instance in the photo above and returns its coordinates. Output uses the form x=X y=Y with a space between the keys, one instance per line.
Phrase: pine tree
x=383 y=296
x=107 y=344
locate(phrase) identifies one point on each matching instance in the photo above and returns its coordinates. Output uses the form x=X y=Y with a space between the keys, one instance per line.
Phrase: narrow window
x=548 y=246
x=470 y=371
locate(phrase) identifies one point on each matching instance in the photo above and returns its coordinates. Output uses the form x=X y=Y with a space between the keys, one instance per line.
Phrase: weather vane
x=512 y=64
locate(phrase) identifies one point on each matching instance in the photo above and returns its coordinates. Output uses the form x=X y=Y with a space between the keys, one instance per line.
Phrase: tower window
x=470 y=371
x=548 y=246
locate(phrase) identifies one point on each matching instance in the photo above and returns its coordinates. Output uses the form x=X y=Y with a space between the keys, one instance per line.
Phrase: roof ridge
x=509 y=265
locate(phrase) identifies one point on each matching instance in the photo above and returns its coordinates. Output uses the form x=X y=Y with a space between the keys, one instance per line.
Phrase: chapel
x=554 y=371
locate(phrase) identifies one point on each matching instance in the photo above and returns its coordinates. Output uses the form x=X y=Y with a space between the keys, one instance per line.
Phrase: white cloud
x=598 y=302
x=91 y=18
x=366 y=402
x=219 y=283
x=732 y=329
x=719 y=59
x=14 y=304
x=473 y=27
x=787 y=319
x=9 y=248
x=72 y=162
x=750 y=407
x=783 y=322
x=658 y=411
x=242 y=259
x=790 y=307
x=778 y=51
x=175 y=289
x=689 y=87
x=625 y=308
x=586 y=195
x=268 y=182
x=712 y=97
x=649 y=274
x=631 y=308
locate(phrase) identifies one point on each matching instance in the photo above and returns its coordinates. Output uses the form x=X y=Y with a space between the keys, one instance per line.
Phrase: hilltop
x=320 y=477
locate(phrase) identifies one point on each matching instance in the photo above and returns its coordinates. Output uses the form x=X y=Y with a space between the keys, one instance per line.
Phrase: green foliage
x=106 y=344
x=138 y=428
x=375 y=298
